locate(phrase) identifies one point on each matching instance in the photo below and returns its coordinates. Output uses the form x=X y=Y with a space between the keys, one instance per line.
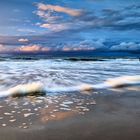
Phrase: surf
x=38 y=88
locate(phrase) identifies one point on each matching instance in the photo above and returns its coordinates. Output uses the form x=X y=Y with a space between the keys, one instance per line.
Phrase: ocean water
x=68 y=87
x=58 y=75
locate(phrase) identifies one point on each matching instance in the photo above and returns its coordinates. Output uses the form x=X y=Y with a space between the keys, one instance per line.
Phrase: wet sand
x=114 y=117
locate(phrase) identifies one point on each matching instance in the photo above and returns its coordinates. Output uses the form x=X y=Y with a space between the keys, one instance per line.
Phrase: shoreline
x=112 y=118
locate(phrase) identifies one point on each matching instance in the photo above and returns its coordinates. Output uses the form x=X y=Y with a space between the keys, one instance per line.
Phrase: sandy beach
x=113 y=117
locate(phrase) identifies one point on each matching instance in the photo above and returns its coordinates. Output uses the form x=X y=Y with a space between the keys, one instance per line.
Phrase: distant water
x=63 y=75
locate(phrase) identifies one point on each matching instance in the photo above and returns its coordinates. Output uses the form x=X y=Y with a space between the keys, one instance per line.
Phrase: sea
x=42 y=89
x=66 y=74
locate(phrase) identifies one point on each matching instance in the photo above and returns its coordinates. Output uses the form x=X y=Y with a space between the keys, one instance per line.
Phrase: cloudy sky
x=52 y=25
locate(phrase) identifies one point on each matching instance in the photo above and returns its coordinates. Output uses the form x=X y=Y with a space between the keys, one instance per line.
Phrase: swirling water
x=56 y=73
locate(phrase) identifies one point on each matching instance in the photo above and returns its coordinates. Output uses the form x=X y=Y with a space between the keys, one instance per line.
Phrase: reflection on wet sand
x=46 y=116
x=29 y=111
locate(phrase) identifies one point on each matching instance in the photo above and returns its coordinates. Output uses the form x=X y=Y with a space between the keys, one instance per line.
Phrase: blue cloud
x=69 y=23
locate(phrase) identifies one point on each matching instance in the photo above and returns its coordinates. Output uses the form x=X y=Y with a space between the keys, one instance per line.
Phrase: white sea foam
x=38 y=87
x=123 y=81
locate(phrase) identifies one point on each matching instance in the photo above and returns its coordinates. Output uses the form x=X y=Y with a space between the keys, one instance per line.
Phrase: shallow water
x=27 y=111
x=54 y=73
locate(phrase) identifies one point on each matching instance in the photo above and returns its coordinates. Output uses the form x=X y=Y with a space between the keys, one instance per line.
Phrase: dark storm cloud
x=125 y=26
x=113 y=19
x=126 y=46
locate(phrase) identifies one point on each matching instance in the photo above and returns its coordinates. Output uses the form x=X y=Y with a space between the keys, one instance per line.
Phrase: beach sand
x=114 y=117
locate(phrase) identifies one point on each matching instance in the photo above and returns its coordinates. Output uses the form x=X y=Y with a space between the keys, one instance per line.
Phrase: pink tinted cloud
x=57 y=8
x=31 y=48
x=55 y=27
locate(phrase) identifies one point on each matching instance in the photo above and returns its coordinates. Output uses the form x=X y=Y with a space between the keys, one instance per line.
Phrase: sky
x=69 y=25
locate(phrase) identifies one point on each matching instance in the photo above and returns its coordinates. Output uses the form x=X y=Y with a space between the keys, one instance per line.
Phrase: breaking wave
x=39 y=88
